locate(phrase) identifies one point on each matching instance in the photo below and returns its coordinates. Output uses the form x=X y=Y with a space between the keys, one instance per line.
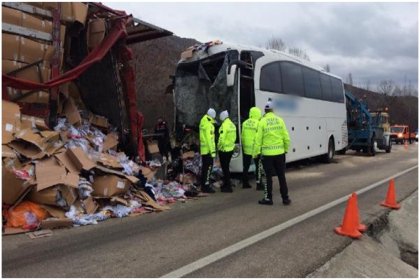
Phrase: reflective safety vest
x=227 y=136
x=249 y=130
x=207 y=140
x=272 y=137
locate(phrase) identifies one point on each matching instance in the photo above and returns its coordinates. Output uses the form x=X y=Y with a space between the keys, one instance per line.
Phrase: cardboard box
x=80 y=159
x=147 y=172
x=12 y=187
x=53 y=223
x=90 y=205
x=19 y=18
x=40 y=97
x=10 y=121
x=109 y=185
x=29 y=122
x=26 y=149
x=26 y=50
x=31 y=137
x=72 y=113
x=11 y=16
x=34 y=73
x=10 y=46
x=65 y=159
x=105 y=170
x=95 y=32
x=110 y=142
x=55 y=211
x=109 y=161
x=49 y=196
x=49 y=173
x=98 y=121
x=153 y=147
x=70 y=11
x=187 y=155
x=7 y=152
x=30 y=51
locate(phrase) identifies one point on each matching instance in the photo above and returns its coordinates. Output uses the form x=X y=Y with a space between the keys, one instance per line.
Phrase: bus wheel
x=328 y=157
x=388 y=149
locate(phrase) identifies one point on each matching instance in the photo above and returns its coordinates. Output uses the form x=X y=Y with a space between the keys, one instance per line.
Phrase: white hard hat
x=268 y=105
x=212 y=113
x=223 y=115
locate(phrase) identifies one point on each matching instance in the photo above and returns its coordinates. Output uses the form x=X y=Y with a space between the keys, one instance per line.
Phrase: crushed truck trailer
x=56 y=50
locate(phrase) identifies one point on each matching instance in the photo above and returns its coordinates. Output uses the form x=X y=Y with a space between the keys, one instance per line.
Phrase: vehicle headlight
x=399 y=135
x=236 y=151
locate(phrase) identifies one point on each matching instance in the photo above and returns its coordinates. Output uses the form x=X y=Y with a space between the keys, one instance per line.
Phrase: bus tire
x=388 y=149
x=329 y=156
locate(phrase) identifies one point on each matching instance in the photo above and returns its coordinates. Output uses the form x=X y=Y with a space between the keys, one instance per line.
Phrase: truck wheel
x=328 y=157
x=371 y=148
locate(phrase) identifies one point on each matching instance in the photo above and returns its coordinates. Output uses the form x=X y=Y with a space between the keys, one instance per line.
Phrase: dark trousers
x=225 y=158
x=207 y=165
x=164 y=149
x=247 y=163
x=275 y=165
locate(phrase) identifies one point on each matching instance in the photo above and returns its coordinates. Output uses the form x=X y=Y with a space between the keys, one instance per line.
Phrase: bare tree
x=299 y=53
x=367 y=85
x=386 y=87
x=350 y=79
x=327 y=68
x=276 y=44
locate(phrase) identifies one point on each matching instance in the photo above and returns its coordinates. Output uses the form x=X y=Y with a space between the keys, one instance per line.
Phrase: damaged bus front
x=207 y=77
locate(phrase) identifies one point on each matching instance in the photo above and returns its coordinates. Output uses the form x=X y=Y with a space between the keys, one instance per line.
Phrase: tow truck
x=367 y=131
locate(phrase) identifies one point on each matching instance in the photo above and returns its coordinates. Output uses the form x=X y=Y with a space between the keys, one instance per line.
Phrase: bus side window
x=337 y=90
x=270 y=79
x=291 y=75
x=326 y=88
x=312 y=83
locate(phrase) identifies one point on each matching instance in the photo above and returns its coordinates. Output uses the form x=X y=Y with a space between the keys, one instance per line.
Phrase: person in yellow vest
x=272 y=142
x=225 y=146
x=248 y=133
x=207 y=149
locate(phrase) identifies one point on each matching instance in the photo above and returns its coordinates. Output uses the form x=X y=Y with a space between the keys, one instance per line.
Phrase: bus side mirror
x=230 y=75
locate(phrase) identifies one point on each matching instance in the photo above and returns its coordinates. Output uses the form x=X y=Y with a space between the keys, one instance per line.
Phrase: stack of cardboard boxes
x=28 y=47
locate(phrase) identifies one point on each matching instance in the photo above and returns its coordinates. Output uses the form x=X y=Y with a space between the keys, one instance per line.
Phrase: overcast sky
x=373 y=41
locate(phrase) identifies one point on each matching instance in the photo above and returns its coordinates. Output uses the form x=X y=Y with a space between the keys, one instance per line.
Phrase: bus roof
x=214 y=47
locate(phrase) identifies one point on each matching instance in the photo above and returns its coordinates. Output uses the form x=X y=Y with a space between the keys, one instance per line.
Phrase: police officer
x=225 y=146
x=272 y=141
x=207 y=149
x=249 y=131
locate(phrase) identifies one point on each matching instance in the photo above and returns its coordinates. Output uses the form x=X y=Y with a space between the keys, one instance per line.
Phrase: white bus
x=236 y=78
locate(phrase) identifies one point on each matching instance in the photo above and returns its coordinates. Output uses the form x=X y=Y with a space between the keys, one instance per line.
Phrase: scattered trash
x=40 y=234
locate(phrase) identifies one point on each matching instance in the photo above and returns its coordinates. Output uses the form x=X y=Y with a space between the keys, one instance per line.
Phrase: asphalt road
x=156 y=244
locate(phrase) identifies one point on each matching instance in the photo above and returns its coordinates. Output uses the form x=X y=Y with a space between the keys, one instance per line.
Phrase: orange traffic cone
x=350 y=223
x=390 y=200
x=360 y=227
x=406 y=145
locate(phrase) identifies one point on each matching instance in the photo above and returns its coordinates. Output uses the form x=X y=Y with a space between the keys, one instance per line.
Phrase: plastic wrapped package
x=81 y=219
x=118 y=210
x=61 y=124
x=26 y=215
x=85 y=188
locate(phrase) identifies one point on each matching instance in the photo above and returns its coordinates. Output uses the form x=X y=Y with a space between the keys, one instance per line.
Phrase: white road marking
x=187 y=269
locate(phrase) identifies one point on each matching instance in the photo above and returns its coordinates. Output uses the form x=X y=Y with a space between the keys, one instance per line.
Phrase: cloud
x=373 y=41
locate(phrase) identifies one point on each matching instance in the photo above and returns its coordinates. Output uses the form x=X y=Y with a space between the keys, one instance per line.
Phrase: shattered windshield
x=200 y=85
